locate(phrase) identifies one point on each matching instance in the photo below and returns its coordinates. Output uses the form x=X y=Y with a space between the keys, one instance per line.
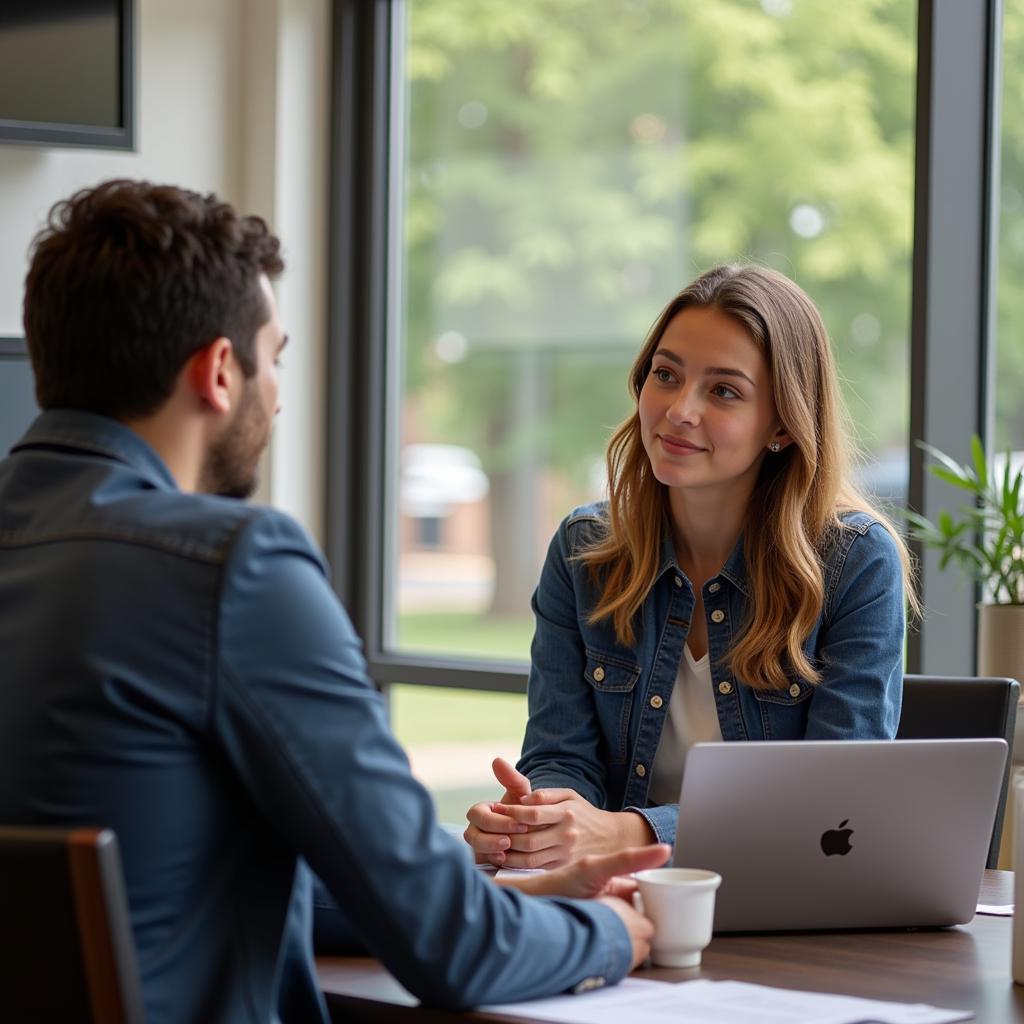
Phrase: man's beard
x=230 y=466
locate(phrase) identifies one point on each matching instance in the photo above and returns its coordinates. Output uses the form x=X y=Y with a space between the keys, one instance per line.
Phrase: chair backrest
x=966 y=707
x=68 y=952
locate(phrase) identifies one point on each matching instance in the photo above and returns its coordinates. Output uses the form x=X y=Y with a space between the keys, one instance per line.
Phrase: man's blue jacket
x=177 y=668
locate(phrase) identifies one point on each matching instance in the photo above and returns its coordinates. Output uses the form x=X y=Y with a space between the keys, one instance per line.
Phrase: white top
x=692 y=718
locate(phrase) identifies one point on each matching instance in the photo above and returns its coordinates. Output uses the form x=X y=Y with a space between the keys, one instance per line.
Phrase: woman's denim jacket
x=597 y=708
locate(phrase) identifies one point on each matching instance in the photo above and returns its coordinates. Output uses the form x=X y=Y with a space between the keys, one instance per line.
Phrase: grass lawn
x=431 y=714
x=462 y=633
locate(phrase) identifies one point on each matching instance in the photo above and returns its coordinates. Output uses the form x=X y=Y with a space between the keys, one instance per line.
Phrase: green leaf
x=954 y=467
x=980 y=466
x=1005 y=490
x=1011 y=499
x=957 y=479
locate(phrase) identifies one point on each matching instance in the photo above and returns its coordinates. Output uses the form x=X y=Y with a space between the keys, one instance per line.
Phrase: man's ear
x=210 y=372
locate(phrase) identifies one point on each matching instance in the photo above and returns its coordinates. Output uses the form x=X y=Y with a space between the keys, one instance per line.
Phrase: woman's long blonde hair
x=798 y=498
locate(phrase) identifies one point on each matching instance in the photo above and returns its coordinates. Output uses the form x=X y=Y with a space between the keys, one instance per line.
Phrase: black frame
x=91 y=136
x=954 y=269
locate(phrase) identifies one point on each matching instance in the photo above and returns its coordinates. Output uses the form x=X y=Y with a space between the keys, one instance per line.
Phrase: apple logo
x=836 y=841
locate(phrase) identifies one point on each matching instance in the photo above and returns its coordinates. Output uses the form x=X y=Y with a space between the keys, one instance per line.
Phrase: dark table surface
x=966 y=967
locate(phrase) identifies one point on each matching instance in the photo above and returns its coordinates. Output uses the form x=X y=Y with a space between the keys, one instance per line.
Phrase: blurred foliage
x=1010 y=339
x=572 y=164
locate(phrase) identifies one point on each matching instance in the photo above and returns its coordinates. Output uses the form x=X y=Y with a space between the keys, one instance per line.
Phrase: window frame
x=954 y=271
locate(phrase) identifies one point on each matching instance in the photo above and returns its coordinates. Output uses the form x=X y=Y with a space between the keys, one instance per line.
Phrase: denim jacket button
x=714 y=588
x=725 y=687
x=794 y=690
x=640 y=770
x=718 y=615
x=678 y=581
x=598 y=673
x=656 y=702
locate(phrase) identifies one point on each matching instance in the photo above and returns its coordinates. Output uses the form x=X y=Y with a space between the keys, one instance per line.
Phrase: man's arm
x=306 y=733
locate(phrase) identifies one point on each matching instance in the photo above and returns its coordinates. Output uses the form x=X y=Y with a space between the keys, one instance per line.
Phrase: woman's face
x=707 y=414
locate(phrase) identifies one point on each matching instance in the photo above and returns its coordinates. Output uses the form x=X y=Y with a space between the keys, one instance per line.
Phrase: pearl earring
x=775 y=446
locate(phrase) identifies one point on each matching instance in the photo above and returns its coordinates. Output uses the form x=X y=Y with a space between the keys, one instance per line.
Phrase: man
x=177 y=668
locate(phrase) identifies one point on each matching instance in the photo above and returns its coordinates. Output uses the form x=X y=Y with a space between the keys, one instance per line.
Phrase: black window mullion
x=357 y=307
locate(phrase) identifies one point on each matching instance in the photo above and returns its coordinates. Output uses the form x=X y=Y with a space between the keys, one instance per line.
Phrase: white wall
x=300 y=205
x=231 y=98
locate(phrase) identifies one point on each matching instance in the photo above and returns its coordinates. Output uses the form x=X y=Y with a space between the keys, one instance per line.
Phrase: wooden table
x=966 y=967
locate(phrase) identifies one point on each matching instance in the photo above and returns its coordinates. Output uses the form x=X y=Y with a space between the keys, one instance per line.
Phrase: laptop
x=841 y=834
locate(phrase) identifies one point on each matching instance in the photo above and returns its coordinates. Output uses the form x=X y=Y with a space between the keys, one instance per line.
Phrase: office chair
x=68 y=952
x=944 y=707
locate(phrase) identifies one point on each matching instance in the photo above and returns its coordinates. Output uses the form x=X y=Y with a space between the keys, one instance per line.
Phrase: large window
x=517 y=190
x=563 y=170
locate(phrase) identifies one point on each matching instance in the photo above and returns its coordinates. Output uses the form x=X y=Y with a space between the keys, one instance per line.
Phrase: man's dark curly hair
x=127 y=281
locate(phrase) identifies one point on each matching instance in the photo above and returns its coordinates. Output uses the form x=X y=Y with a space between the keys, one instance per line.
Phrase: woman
x=735 y=586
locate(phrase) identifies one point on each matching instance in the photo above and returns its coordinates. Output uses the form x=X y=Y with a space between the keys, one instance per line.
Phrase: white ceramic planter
x=1001 y=640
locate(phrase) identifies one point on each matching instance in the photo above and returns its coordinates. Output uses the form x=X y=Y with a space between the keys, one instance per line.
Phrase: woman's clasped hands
x=547 y=827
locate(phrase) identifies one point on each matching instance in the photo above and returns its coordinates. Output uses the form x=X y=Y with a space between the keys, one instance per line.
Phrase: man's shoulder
x=210 y=527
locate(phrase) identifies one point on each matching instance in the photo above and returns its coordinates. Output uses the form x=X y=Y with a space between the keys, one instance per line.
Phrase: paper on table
x=996 y=909
x=722 y=1002
x=511 y=872
x=597 y=1006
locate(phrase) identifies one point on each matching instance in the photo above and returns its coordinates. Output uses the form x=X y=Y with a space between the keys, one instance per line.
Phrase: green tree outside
x=1010 y=301
x=571 y=165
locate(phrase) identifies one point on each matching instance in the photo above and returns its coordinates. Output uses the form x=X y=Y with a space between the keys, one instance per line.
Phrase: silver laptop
x=841 y=834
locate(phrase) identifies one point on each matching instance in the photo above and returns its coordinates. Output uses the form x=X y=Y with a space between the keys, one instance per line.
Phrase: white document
x=721 y=1002
x=599 y=1006
x=996 y=909
x=513 y=872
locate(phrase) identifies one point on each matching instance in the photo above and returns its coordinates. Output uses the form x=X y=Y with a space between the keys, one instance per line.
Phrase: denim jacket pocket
x=795 y=693
x=609 y=673
x=613 y=680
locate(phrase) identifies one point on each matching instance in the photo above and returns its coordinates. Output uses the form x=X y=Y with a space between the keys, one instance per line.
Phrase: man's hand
x=489 y=830
x=601 y=877
x=560 y=826
x=641 y=931
x=593 y=875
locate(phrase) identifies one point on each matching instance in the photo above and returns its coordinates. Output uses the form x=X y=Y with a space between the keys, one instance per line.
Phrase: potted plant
x=986 y=540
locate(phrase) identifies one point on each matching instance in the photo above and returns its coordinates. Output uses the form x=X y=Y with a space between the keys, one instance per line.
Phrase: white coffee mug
x=681 y=904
